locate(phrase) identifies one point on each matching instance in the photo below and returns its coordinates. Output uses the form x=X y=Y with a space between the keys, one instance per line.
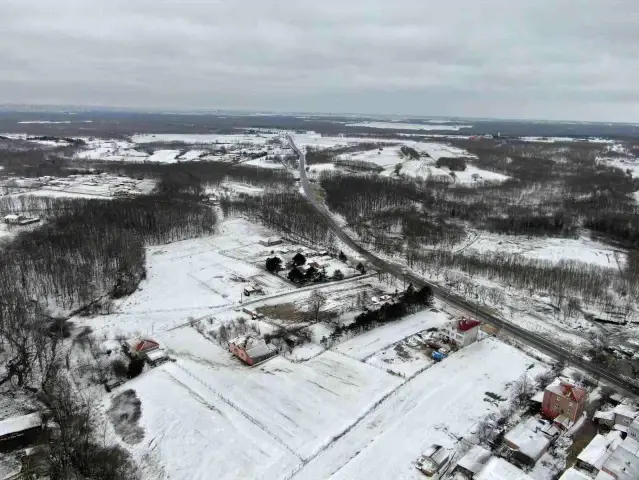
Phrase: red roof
x=572 y=391
x=145 y=345
x=466 y=324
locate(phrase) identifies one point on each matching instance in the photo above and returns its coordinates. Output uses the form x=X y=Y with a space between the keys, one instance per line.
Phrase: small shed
x=625 y=414
x=474 y=460
x=604 y=418
x=11 y=219
x=20 y=426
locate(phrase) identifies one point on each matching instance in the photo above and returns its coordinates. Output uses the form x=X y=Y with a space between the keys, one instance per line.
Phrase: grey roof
x=622 y=464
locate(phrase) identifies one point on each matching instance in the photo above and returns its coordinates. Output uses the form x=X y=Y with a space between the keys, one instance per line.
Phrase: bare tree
x=316 y=301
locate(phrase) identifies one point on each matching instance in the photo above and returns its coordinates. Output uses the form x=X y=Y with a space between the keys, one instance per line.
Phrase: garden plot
x=301 y=405
x=369 y=343
x=189 y=432
x=440 y=404
x=553 y=250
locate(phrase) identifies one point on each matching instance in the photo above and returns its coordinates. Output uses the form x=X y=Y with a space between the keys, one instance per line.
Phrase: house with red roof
x=139 y=347
x=563 y=401
x=462 y=332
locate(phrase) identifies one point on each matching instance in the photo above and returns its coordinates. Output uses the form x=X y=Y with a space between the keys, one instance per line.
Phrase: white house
x=462 y=332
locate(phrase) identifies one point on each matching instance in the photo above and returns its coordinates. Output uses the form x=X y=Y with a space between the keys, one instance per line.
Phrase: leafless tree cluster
x=564 y=281
x=284 y=212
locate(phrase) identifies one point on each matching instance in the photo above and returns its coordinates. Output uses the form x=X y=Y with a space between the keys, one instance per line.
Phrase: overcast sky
x=549 y=59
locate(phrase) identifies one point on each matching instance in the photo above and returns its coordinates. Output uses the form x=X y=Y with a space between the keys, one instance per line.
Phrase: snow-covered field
x=447 y=398
x=81 y=186
x=625 y=164
x=581 y=249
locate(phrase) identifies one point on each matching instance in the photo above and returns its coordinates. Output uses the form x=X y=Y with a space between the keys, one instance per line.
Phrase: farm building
x=462 y=332
x=563 y=398
x=251 y=350
x=20 y=427
x=270 y=241
x=529 y=440
x=140 y=347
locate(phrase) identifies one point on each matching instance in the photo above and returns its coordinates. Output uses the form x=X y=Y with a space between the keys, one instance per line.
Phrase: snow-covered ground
x=443 y=402
x=581 y=249
x=409 y=126
x=626 y=164
x=190 y=432
x=80 y=186
x=424 y=169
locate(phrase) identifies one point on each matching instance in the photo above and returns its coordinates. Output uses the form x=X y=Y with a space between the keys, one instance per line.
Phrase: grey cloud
x=531 y=58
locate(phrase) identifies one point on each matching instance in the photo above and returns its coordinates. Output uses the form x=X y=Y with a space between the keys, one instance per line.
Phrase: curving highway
x=400 y=271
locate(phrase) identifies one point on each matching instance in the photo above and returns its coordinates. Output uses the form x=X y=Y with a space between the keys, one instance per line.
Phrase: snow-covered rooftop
x=597 y=451
x=564 y=388
x=13 y=425
x=623 y=464
x=475 y=459
x=528 y=438
x=626 y=410
x=499 y=469
x=572 y=474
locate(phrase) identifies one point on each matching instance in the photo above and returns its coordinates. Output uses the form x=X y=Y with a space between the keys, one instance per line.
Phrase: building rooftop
x=13 y=425
x=572 y=474
x=598 y=450
x=623 y=464
x=530 y=438
x=466 y=324
x=567 y=389
x=499 y=469
x=475 y=459
x=625 y=410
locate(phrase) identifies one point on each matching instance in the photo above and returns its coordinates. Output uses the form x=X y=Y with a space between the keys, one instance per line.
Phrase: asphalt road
x=399 y=271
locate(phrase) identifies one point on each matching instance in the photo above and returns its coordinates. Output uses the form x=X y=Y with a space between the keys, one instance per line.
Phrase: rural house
x=251 y=350
x=270 y=241
x=562 y=398
x=462 y=332
x=140 y=347
x=633 y=430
